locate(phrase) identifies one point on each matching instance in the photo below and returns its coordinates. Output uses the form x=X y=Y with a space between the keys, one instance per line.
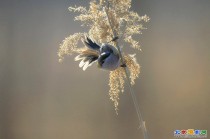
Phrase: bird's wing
x=90 y=44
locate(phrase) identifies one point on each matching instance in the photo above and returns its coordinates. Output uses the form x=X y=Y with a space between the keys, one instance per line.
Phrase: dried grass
x=125 y=22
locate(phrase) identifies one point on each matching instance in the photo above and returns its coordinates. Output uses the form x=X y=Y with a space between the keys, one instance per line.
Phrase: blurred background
x=43 y=99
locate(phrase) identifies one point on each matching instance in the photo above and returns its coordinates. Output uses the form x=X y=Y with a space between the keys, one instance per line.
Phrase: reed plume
x=126 y=24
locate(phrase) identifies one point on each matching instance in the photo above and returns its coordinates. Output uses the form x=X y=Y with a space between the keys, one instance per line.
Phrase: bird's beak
x=99 y=66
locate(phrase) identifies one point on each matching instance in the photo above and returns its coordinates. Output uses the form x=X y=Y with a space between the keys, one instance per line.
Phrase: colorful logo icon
x=183 y=132
x=203 y=132
x=190 y=133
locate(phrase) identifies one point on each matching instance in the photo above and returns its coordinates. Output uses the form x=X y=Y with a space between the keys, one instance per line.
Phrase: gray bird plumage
x=106 y=56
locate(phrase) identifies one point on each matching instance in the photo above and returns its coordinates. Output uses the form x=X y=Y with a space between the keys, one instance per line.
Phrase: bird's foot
x=115 y=38
x=123 y=65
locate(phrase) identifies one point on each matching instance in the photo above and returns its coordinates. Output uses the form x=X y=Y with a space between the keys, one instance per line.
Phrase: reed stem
x=140 y=119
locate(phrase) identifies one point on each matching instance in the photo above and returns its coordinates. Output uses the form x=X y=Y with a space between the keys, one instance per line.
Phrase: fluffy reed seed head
x=124 y=21
x=117 y=78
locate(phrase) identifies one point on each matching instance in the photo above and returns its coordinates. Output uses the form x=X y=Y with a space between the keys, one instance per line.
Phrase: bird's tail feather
x=86 y=60
x=91 y=44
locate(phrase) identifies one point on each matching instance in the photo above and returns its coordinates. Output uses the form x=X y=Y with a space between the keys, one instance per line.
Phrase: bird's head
x=102 y=57
x=108 y=49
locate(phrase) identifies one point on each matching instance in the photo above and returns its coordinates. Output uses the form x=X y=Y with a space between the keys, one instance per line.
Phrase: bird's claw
x=115 y=38
x=123 y=65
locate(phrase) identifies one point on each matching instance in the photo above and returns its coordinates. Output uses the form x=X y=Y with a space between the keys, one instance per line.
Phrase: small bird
x=106 y=55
